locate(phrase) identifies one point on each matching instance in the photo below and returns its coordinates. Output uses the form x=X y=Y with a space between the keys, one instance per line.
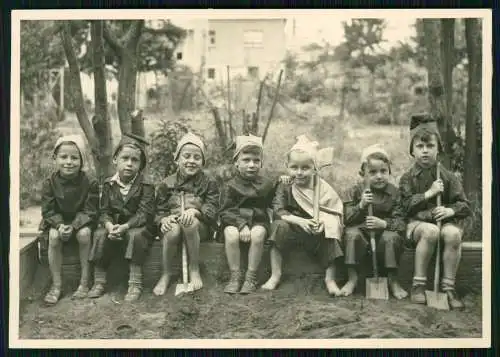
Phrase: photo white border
x=393 y=14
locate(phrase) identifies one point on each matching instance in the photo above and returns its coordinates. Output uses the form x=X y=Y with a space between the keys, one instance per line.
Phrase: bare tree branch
x=76 y=84
x=111 y=39
x=131 y=38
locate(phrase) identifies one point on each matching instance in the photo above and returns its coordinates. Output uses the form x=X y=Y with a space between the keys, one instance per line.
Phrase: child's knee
x=193 y=227
x=389 y=237
x=231 y=235
x=352 y=234
x=258 y=234
x=172 y=235
x=428 y=232
x=54 y=238
x=84 y=235
x=452 y=235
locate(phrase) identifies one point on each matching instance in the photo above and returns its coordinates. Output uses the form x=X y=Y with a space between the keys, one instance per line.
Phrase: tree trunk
x=101 y=121
x=473 y=127
x=436 y=88
x=76 y=89
x=448 y=57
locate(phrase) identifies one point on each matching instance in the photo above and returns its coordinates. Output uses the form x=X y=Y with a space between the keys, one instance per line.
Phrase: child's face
x=300 y=168
x=377 y=173
x=190 y=160
x=425 y=152
x=248 y=164
x=128 y=162
x=68 y=160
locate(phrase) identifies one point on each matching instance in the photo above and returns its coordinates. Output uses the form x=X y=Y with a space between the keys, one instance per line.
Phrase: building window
x=179 y=55
x=252 y=38
x=253 y=72
x=211 y=73
x=211 y=37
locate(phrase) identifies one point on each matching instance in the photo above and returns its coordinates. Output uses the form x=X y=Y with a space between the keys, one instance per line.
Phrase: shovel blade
x=377 y=288
x=183 y=288
x=437 y=300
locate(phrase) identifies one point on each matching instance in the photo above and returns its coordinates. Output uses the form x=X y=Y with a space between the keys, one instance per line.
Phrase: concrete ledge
x=214 y=266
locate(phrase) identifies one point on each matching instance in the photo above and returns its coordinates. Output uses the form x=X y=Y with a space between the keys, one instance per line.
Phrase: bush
x=38 y=134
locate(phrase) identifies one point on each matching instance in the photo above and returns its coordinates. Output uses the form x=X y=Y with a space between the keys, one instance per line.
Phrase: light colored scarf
x=331 y=208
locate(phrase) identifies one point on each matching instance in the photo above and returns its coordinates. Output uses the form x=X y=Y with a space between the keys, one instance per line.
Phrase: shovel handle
x=373 y=245
x=185 y=278
x=316 y=197
x=437 y=268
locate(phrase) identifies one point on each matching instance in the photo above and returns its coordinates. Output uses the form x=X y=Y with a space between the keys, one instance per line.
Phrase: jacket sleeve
x=104 y=205
x=396 y=220
x=353 y=214
x=411 y=203
x=279 y=203
x=229 y=214
x=91 y=207
x=145 y=212
x=163 y=194
x=49 y=206
x=458 y=200
x=210 y=205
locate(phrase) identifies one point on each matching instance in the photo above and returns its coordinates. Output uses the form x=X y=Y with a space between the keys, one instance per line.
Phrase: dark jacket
x=200 y=192
x=285 y=204
x=69 y=201
x=386 y=205
x=136 y=209
x=245 y=202
x=417 y=180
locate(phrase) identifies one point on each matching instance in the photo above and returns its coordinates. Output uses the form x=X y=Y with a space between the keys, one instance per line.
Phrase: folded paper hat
x=79 y=143
x=245 y=141
x=190 y=138
x=373 y=149
x=424 y=121
x=129 y=139
x=319 y=156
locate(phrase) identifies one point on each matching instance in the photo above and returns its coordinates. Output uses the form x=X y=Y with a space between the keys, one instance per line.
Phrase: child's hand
x=115 y=232
x=318 y=227
x=287 y=180
x=187 y=218
x=436 y=188
x=166 y=223
x=308 y=225
x=373 y=222
x=65 y=231
x=366 y=198
x=439 y=213
x=245 y=234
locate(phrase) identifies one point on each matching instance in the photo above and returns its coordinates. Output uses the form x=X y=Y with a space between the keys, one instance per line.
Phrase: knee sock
x=447 y=284
x=419 y=281
x=135 y=276
x=99 y=276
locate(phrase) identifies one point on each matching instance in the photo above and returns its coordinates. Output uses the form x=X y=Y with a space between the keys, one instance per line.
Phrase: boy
x=201 y=198
x=70 y=200
x=243 y=216
x=387 y=221
x=419 y=187
x=126 y=217
x=293 y=208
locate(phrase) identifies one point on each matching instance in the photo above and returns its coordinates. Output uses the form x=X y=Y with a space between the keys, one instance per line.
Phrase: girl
x=70 y=200
x=126 y=217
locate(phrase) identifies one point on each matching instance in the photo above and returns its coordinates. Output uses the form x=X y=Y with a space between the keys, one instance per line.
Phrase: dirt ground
x=298 y=309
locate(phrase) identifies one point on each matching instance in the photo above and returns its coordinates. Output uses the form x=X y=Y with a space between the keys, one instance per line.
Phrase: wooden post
x=275 y=100
x=61 y=91
x=229 y=116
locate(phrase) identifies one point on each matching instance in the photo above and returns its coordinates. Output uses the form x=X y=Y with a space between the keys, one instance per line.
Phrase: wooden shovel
x=434 y=298
x=186 y=286
x=376 y=287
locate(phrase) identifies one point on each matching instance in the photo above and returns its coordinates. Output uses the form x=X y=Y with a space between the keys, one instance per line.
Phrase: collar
x=416 y=170
x=116 y=179
x=65 y=180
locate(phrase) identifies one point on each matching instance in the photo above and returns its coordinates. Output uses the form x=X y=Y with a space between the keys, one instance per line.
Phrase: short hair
x=375 y=156
x=252 y=149
x=426 y=135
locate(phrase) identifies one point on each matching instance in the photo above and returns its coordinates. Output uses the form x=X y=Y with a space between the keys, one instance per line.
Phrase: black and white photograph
x=251 y=178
